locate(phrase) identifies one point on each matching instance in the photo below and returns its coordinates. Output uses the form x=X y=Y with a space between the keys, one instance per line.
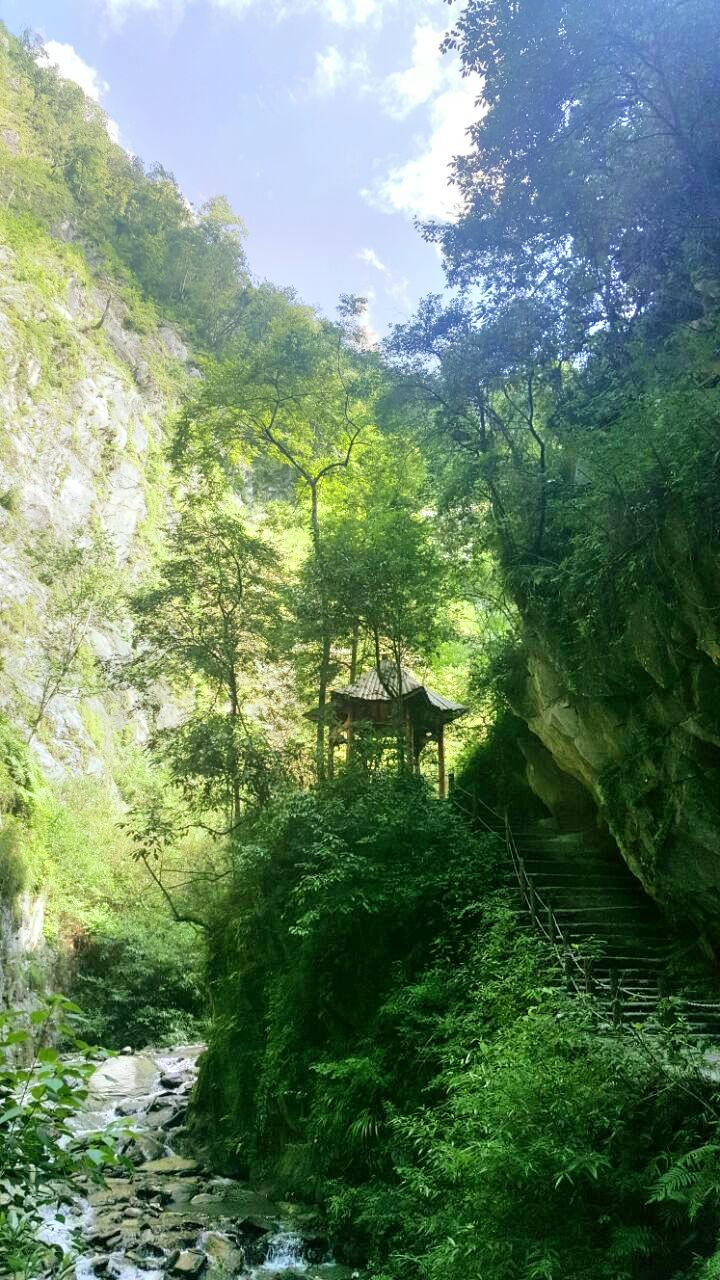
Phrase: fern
x=693 y=1181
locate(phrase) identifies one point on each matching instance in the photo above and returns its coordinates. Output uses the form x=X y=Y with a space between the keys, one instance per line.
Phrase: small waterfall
x=285 y=1253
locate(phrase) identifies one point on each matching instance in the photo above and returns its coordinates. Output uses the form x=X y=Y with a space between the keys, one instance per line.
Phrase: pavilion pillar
x=409 y=740
x=349 y=729
x=442 y=781
x=331 y=753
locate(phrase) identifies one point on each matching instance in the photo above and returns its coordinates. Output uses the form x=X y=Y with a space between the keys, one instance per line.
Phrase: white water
x=128 y=1086
x=285 y=1253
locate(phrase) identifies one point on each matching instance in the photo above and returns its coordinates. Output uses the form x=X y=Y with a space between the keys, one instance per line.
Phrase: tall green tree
x=297 y=391
x=383 y=575
x=204 y=628
x=592 y=179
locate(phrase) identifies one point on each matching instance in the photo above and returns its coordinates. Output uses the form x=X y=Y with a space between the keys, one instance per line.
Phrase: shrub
x=138 y=985
x=41 y=1159
x=389 y=1041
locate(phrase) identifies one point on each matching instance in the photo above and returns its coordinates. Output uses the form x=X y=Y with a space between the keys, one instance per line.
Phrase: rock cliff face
x=84 y=397
x=645 y=762
x=83 y=400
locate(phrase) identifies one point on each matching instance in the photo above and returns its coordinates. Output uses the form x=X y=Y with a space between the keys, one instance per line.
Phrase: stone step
x=535 y=862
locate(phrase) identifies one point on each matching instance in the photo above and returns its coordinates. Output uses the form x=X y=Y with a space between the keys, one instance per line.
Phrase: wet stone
x=114 y=1192
x=99 y=1264
x=149 y=1148
x=176 y=1166
x=104 y=1235
x=257 y=1225
x=163 y=1116
x=221 y=1250
x=190 y=1263
x=163 y=1195
x=175 y=1122
x=171 y=1082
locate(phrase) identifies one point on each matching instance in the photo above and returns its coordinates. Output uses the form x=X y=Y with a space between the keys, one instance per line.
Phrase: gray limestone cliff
x=84 y=398
x=642 y=756
x=84 y=401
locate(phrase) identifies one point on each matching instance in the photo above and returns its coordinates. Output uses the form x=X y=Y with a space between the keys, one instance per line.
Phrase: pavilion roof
x=381 y=685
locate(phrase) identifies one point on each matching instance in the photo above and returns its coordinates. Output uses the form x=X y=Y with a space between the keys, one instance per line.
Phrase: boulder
x=191 y=1262
x=221 y=1250
x=174 y=1166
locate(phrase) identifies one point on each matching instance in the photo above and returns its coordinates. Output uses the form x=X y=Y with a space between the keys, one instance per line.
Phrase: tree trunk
x=322 y=705
x=442 y=789
x=324 y=672
x=354 y=653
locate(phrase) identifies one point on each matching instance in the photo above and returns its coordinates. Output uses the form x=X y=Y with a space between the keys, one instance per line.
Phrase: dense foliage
x=539 y=452
x=386 y=1039
x=397 y=1048
x=64 y=170
x=139 y=982
x=42 y=1160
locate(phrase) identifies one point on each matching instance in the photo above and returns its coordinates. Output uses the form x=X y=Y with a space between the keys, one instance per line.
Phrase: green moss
x=17 y=774
x=42 y=267
x=13 y=867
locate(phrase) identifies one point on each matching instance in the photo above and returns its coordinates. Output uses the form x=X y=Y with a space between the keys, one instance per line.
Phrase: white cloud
x=113 y=129
x=403 y=91
x=71 y=66
x=372 y=259
x=341 y=13
x=395 y=286
x=421 y=186
x=329 y=70
x=333 y=71
x=369 y=335
x=349 y=13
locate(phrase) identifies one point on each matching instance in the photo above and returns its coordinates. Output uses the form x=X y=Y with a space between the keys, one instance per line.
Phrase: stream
x=169 y=1218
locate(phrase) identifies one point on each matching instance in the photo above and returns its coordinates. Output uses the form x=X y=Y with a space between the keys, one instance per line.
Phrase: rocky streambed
x=167 y=1218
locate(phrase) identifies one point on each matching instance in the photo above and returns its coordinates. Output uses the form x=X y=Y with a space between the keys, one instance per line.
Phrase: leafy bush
x=41 y=1159
x=13 y=870
x=17 y=812
x=138 y=985
x=342 y=891
x=16 y=773
x=388 y=1041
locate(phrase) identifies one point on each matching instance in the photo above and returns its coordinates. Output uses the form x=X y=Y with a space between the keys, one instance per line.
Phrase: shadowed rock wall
x=646 y=755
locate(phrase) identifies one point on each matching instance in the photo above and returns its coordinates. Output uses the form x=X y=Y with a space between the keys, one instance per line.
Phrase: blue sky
x=328 y=124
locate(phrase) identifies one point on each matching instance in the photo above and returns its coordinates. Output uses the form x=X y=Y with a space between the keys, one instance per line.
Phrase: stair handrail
x=564 y=951
x=614 y=988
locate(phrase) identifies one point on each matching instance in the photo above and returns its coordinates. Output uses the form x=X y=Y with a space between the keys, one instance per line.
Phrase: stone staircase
x=610 y=938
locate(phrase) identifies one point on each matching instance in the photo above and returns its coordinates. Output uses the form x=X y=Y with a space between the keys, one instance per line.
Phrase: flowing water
x=169 y=1218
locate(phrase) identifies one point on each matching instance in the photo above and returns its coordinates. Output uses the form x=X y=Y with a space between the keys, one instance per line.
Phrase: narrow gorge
x=360 y=641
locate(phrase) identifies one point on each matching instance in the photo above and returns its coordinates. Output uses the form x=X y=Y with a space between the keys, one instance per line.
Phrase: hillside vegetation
x=517 y=497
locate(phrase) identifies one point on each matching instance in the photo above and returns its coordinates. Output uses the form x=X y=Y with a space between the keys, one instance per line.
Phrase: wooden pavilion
x=374 y=700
